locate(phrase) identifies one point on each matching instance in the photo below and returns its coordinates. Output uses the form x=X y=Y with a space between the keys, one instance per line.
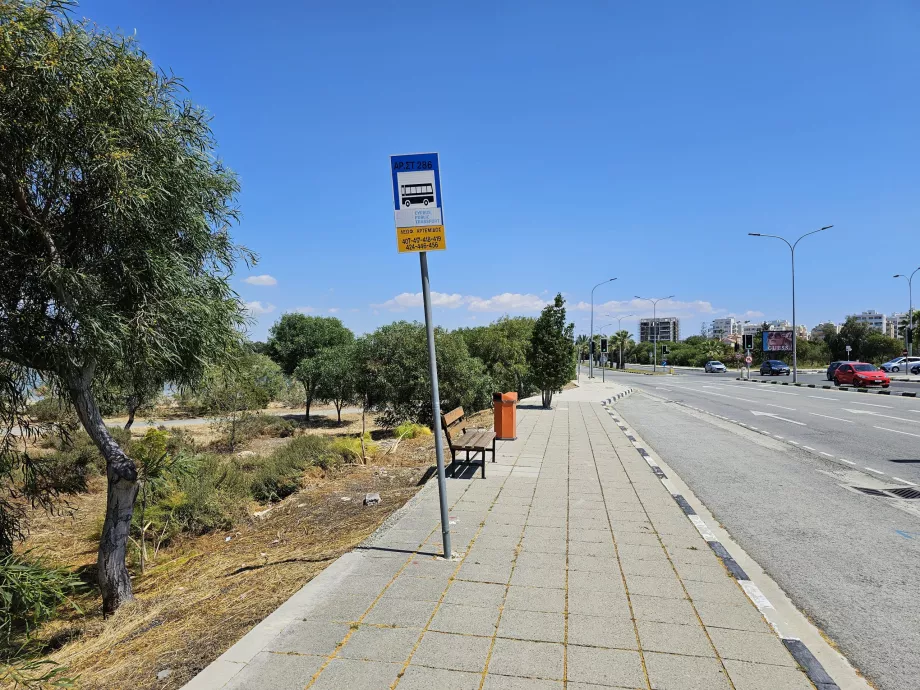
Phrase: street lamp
x=909 y=331
x=792 y=249
x=619 y=328
x=655 y=321
x=591 y=341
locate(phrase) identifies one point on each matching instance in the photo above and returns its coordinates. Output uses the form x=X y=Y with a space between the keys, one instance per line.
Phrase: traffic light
x=748 y=341
x=665 y=350
x=603 y=344
x=592 y=347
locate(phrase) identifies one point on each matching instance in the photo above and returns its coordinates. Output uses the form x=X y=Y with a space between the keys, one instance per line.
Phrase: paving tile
x=638 y=539
x=608 y=667
x=599 y=536
x=656 y=568
x=593 y=564
x=655 y=586
x=350 y=673
x=674 y=639
x=538 y=577
x=401 y=612
x=702 y=573
x=742 y=617
x=748 y=676
x=535 y=599
x=532 y=625
x=596 y=582
x=663 y=609
x=641 y=553
x=759 y=648
x=675 y=672
x=276 y=672
x=453 y=652
x=416 y=588
x=422 y=678
x=611 y=630
x=527 y=659
x=478 y=572
x=725 y=592
x=475 y=594
x=587 y=548
x=340 y=607
x=309 y=637
x=494 y=682
x=380 y=644
x=466 y=620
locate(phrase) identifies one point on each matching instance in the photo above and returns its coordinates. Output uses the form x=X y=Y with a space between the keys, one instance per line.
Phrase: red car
x=861 y=375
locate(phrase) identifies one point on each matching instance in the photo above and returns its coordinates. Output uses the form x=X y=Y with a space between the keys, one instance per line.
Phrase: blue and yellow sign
x=417 y=203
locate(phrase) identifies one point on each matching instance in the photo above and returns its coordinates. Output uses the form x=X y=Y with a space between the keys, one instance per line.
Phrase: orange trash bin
x=505 y=411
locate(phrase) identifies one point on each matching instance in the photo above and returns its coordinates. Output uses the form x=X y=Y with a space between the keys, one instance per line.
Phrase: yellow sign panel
x=427 y=238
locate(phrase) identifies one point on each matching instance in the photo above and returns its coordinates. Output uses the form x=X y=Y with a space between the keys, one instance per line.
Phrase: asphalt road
x=777 y=466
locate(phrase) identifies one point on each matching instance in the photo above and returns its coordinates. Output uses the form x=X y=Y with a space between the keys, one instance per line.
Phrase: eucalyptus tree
x=114 y=245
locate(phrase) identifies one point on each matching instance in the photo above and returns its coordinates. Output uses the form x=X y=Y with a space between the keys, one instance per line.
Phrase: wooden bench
x=476 y=441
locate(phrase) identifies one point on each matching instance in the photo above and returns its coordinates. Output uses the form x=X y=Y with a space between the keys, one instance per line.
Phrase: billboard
x=777 y=341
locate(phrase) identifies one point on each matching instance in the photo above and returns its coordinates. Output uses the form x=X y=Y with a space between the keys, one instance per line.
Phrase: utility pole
x=591 y=341
x=792 y=247
x=655 y=321
x=909 y=330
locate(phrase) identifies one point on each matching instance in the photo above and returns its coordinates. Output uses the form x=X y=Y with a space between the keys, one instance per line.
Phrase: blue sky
x=578 y=141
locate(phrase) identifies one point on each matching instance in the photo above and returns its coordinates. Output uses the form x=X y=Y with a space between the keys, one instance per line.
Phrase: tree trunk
x=338 y=410
x=121 y=473
x=133 y=404
x=547 y=398
x=363 y=427
x=306 y=394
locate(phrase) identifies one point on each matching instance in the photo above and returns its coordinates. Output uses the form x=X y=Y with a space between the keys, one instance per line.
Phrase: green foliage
x=37 y=674
x=55 y=411
x=296 y=337
x=397 y=366
x=550 y=354
x=868 y=344
x=281 y=473
x=502 y=347
x=349 y=447
x=410 y=430
x=30 y=593
x=336 y=371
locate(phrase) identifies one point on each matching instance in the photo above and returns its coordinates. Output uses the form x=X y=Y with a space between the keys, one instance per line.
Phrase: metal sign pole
x=435 y=407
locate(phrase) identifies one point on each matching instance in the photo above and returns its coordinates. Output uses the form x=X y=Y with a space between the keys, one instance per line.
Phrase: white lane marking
x=871 y=470
x=776 y=416
x=754 y=428
x=872 y=405
x=794 y=442
x=827 y=454
x=807 y=447
x=821 y=397
x=848 y=462
x=903 y=481
x=827 y=416
x=879 y=414
x=722 y=395
x=791 y=409
x=778 y=436
x=770 y=390
x=896 y=431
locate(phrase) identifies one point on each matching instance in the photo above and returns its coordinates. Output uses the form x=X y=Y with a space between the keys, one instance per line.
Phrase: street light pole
x=591 y=341
x=792 y=247
x=654 y=321
x=619 y=328
x=909 y=331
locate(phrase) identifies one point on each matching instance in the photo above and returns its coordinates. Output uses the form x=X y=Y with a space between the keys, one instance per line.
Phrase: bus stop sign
x=417 y=202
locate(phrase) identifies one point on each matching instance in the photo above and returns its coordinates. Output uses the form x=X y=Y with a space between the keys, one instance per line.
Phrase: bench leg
x=493 y=452
x=483 y=464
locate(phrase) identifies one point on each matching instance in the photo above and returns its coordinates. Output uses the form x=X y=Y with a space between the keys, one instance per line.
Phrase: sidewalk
x=576 y=568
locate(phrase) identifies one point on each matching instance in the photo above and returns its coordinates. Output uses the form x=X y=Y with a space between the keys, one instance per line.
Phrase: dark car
x=773 y=367
x=915 y=368
x=831 y=368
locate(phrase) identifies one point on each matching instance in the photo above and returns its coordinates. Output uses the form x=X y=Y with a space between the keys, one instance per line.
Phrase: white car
x=898 y=363
x=714 y=367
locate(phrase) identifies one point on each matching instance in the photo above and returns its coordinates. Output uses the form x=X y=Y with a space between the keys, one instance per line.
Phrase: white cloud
x=256 y=308
x=509 y=302
x=261 y=280
x=334 y=310
x=305 y=310
x=666 y=307
x=409 y=300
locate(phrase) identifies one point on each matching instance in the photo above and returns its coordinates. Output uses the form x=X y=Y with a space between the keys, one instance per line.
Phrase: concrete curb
x=618 y=396
x=902 y=394
x=798 y=649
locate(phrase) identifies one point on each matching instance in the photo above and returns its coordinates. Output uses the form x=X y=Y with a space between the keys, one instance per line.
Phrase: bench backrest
x=449 y=419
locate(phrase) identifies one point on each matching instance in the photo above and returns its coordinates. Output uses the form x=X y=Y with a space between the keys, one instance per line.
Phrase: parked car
x=714 y=367
x=861 y=374
x=895 y=365
x=773 y=367
x=831 y=368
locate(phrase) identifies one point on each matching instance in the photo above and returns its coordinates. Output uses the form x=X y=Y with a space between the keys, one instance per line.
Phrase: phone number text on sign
x=421 y=239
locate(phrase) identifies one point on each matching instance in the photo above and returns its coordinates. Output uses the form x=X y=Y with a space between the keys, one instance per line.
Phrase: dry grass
x=202 y=594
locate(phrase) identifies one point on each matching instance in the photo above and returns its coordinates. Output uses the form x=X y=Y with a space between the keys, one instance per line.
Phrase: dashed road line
x=807 y=447
x=827 y=416
x=791 y=409
x=827 y=454
x=871 y=470
x=903 y=481
x=896 y=431
x=849 y=462
x=871 y=405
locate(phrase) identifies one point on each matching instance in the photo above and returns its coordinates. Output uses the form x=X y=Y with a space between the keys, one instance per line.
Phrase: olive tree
x=550 y=354
x=114 y=243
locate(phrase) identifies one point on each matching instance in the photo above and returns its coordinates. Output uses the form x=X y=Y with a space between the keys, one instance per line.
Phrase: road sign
x=849 y=349
x=603 y=344
x=417 y=202
x=749 y=360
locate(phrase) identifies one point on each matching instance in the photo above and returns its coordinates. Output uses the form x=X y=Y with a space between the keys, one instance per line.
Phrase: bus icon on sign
x=410 y=194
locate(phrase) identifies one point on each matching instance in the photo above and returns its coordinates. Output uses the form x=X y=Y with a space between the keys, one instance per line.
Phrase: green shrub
x=281 y=473
x=53 y=410
x=410 y=430
x=349 y=447
x=31 y=592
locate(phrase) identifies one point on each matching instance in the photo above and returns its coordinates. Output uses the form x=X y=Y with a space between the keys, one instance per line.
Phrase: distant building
x=875 y=321
x=723 y=327
x=752 y=328
x=822 y=330
x=801 y=331
x=667 y=328
x=779 y=325
x=894 y=328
